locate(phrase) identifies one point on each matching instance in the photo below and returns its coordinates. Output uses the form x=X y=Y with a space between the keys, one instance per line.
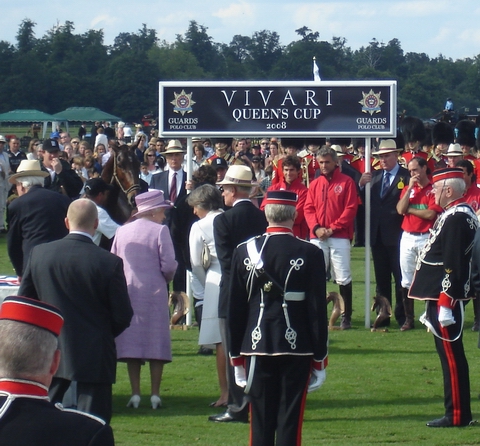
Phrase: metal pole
x=189 y=169
x=368 y=168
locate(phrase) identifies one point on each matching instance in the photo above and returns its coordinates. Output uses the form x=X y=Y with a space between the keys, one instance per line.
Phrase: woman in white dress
x=207 y=201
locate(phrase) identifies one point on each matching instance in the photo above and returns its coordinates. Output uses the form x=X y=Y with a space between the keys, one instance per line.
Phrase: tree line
x=63 y=69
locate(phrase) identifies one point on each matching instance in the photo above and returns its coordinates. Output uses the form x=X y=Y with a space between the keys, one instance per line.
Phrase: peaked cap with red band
x=284 y=197
x=447 y=173
x=33 y=312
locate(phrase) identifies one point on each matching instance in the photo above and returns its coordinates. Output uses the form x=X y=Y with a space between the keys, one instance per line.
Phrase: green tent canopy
x=29 y=116
x=84 y=114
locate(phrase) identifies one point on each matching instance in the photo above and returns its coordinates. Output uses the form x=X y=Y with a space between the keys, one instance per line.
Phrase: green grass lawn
x=381 y=388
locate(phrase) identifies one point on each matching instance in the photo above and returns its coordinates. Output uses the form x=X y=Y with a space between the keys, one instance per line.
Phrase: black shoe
x=227 y=417
x=447 y=422
x=205 y=351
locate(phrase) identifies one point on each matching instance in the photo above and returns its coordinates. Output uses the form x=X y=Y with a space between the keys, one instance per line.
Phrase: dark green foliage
x=63 y=69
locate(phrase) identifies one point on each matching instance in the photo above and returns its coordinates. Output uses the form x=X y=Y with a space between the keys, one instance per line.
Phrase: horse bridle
x=132 y=188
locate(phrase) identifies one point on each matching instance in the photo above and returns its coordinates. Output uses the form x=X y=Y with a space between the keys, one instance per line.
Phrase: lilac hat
x=151 y=200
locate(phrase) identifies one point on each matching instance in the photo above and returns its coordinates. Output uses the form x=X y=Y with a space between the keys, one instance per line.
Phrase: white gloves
x=240 y=376
x=445 y=317
x=317 y=378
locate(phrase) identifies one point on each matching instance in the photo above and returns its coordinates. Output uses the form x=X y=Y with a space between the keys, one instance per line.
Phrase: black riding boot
x=409 y=312
x=346 y=293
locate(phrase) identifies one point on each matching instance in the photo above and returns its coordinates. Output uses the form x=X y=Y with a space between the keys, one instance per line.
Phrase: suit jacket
x=160 y=181
x=66 y=182
x=385 y=222
x=88 y=285
x=34 y=218
x=231 y=228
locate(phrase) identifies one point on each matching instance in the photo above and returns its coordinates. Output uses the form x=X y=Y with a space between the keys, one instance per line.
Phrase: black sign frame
x=300 y=108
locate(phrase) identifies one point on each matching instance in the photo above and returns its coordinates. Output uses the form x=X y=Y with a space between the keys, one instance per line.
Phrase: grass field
x=381 y=388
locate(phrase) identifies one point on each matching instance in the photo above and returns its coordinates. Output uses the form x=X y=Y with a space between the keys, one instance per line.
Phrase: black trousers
x=456 y=379
x=92 y=398
x=277 y=399
x=386 y=263
x=237 y=400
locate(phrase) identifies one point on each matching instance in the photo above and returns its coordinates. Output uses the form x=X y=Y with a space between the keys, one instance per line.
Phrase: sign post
x=355 y=109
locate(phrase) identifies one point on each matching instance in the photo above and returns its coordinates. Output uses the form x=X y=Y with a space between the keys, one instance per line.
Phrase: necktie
x=173 y=188
x=386 y=183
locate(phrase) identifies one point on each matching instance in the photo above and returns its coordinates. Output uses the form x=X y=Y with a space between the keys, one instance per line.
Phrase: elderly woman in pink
x=149 y=263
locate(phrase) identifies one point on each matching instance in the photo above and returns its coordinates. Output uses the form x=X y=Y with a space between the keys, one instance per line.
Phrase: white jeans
x=337 y=252
x=410 y=247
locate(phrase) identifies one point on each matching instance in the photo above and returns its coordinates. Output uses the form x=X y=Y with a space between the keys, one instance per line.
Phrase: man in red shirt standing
x=330 y=210
x=417 y=205
x=292 y=181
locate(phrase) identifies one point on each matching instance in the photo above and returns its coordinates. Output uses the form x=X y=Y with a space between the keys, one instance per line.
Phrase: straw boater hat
x=174 y=146
x=238 y=176
x=32 y=312
x=386 y=146
x=28 y=168
x=447 y=173
x=151 y=200
x=454 y=150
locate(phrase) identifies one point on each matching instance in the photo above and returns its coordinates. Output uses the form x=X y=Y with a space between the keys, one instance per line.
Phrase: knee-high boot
x=346 y=293
x=408 y=305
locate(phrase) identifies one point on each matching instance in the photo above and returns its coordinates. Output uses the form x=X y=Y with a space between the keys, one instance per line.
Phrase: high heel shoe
x=156 y=401
x=134 y=401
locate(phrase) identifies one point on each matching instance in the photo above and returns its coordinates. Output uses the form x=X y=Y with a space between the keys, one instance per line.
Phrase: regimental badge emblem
x=182 y=103
x=371 y=102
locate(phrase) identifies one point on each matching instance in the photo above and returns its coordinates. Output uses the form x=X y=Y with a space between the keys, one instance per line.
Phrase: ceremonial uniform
x=310 y=165
x=408 y=156
x=28 y=418
x=228 y=157
x=277 y=319
x=442 y=278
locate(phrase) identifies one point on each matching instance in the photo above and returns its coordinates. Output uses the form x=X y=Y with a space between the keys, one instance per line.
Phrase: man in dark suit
x=61 y=177
x=385 y=222
x=29 y=357
x=88 y=285
x=277 y=323
x=234 y=226
x=36 y=216
x=172 y=183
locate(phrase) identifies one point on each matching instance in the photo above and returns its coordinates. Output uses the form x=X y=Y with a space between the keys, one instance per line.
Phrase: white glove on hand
x=240 y=376
x=445 y=317
x=317 y=378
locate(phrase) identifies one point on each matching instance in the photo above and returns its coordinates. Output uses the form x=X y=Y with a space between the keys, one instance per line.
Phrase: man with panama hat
x=172 y=183
x=36 y=216
x=230 y=228
x=387 y=184
x=29 y=357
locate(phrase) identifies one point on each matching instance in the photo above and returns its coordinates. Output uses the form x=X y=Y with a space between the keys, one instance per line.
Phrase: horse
x=122 y=171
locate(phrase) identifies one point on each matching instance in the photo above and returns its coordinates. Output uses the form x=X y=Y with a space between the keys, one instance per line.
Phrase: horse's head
x=126 y=170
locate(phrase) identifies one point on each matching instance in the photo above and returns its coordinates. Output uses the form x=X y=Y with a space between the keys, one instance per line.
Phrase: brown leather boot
x=408 y=305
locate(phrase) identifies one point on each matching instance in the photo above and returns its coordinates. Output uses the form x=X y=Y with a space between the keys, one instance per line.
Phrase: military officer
x=29 y=357
x=442 y=279
x=277 y=323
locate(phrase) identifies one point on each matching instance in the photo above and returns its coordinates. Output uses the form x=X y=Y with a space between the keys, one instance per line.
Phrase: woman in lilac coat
x=149 y=263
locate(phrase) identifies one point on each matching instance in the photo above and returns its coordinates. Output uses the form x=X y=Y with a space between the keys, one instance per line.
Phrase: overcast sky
x=434 y=27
